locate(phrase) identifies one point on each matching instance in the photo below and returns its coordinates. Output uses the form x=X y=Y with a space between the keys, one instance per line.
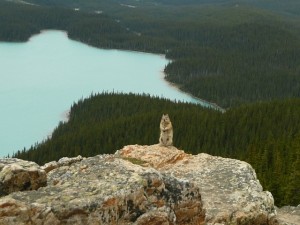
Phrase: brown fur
x=166 y=131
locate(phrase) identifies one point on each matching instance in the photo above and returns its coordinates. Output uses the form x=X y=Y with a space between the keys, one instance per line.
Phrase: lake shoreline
x=202 y=102
x=50 y=77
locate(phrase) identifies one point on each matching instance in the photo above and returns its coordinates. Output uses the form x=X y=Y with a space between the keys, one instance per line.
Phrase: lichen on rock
x=20 y=175
x=142 y=185
x=230 y=190
x=105 y=190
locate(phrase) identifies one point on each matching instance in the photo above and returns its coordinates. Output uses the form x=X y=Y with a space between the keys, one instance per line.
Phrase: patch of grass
x=135 y=161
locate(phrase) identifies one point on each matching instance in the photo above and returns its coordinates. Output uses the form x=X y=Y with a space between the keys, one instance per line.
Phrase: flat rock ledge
x=105 y=189
x=230 y=190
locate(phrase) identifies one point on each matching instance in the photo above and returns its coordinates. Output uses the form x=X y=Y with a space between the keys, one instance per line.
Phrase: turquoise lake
x=42 y=78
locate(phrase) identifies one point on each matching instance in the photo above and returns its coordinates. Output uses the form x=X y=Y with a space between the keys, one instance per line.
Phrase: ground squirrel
x=166 y=131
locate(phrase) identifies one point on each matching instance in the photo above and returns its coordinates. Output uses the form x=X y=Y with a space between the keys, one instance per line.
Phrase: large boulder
x=106 y=189
x=20 y=175
x=230 y=190
x=141 y=185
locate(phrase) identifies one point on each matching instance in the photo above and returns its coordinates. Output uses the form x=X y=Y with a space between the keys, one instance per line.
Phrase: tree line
x=224 y=54
x=266 y=134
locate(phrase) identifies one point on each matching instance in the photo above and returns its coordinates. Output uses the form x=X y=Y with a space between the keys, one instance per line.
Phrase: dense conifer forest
x=228 y=52
x=267 y=135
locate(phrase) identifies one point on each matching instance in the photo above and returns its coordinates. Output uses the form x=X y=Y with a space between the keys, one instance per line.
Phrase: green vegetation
x=267 y=135
x=135 y=161
x=18 y=22
x=228 y=53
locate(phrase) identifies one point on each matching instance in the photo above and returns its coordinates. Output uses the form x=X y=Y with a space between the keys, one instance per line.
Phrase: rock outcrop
x=20 y=175
x=144 y=185
x=105 y=190
x=230 y=191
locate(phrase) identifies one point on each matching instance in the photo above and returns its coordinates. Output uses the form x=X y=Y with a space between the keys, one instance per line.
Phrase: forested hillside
x=18 y=22
x=229 y=52
x=267 y=135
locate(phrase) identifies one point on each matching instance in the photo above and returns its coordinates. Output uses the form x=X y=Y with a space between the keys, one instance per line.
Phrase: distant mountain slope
x=225 y=53
x=286 y=7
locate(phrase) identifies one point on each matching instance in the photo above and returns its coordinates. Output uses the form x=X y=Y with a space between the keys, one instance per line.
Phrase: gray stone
x=230 y=190
x=289 y=215
x=105 y=190
x=145 y=185
x=20 y=175
x=65 y=161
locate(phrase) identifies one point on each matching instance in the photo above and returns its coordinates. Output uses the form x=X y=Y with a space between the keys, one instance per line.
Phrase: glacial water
x=40 y=79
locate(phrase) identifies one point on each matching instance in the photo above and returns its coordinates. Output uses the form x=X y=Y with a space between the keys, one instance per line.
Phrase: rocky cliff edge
x=137 y=185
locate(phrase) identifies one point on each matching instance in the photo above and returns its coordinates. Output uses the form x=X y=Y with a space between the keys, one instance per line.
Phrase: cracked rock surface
x=139 y=185
x=105 y=189
x=20 y=175
x=230 y=190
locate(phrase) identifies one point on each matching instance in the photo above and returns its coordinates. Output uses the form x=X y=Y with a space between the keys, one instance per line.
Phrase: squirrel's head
x=165 y=118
